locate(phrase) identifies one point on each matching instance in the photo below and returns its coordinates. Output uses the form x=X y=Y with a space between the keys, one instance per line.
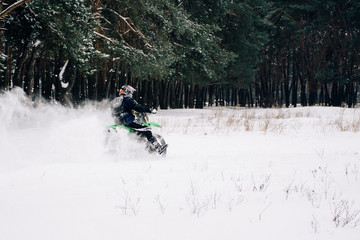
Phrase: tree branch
x=12 y=7
x=125 y=19
x=103 y=36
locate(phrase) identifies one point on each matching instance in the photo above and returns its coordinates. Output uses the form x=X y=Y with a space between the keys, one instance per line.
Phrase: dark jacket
x=123 y=108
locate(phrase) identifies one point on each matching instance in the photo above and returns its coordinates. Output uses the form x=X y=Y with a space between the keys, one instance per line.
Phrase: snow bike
x=144 y=119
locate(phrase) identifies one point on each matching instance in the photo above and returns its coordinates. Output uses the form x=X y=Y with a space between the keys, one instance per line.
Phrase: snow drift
x=230 y=173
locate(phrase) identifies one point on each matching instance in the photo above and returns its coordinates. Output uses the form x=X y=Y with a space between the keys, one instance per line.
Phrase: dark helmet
x=127 y=90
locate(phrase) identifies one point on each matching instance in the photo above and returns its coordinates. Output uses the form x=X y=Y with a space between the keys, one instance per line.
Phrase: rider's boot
x=160 y=149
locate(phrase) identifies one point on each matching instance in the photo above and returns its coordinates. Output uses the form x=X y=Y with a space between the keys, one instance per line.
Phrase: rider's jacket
x=123 y=107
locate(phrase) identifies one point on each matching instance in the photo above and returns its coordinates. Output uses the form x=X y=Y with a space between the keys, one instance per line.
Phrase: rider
x=122 y=109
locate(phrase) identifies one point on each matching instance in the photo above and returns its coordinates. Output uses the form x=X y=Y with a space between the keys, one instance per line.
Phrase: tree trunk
x=192 y=96
x=186 y=96
x=29 y=78
x=286 y=70
x=179 y=94
x=8 y=72
x=164 y=94
x=217 y=96
x=200 y=93
x=46 y=78
x=234 y=97
x=251 y=97
x=108 y=83
x=211 y=95
x=156 y=94
x=172 y=95
x=294 y=84
x=20 y=66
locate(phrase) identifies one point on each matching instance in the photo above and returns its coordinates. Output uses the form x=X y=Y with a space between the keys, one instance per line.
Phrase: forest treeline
x=182 y=53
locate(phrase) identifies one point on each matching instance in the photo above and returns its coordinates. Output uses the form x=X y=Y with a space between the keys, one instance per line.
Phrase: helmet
x=127 y=90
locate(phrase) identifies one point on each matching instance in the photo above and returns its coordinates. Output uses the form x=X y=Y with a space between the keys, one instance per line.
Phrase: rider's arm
x=139 y=108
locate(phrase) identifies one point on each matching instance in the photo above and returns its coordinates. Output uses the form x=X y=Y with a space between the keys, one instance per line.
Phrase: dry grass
x=274 y=121
x=344 y=125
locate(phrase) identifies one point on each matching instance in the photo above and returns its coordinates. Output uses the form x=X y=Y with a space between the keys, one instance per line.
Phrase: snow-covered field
x=230 y=174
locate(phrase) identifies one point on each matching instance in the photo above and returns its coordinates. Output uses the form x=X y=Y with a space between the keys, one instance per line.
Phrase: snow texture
x=230 y=173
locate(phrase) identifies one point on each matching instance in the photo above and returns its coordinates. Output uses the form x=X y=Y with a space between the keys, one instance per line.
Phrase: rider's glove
x=153 y=111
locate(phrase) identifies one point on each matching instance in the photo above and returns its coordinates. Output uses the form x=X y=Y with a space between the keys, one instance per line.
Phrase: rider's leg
x=143 y=130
